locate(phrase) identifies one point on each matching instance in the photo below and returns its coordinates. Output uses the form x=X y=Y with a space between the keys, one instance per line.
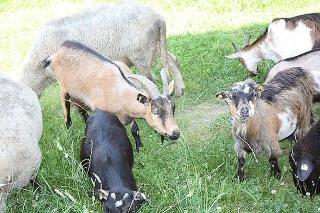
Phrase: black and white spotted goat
x=107 y=156
x=305 y=162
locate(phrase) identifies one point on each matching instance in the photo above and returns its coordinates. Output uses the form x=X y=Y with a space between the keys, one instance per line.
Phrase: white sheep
x=128 y=32
x=20 y=132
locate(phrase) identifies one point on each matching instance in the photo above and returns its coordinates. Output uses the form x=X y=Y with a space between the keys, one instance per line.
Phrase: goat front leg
x=136 y=135
x=241 y=154
x=83 y=113
x=65 y=97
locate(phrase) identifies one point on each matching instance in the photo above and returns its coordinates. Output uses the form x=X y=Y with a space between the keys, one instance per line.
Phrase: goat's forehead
x=162 y=101
x=243 y=87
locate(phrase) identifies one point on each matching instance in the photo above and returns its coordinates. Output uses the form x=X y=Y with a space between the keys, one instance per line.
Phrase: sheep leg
x=136 y=136
x=176 y=72
x=65 y=97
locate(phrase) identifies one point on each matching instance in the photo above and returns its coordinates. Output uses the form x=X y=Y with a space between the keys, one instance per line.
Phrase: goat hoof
x=240 y=178
x=68 y=125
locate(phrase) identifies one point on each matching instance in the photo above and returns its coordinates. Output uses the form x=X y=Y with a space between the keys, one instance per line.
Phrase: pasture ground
x=195 y=174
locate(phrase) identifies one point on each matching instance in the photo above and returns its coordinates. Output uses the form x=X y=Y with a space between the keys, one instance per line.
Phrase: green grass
x=196 y=174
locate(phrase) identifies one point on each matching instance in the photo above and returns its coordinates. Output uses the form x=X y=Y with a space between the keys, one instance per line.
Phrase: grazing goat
x=128 y=32
x=107 y=156
x=304 y=160
x=20 y=132
x=284 y=38
x=258 y=123
x=89 y=79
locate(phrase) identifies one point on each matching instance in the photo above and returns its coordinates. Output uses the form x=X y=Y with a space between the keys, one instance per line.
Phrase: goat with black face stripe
x=304 y=160
x=261 y=119
x=107 y=156
x=94 y=82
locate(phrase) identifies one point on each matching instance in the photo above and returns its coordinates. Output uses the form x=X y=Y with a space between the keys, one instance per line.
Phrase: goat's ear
x=142 y=99
x=103 y=194
x=222 y=95
x=305 y=167
x=140 y=196
x=258 y=89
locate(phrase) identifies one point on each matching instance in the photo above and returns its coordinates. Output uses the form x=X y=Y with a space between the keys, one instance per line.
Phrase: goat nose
x=244 y=111
x=175 y=135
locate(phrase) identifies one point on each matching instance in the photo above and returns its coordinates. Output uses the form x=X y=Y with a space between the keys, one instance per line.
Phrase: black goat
x=304 y=160
x=107 y=156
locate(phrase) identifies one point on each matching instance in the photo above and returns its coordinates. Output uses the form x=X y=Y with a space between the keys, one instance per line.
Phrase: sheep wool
x=20 y=132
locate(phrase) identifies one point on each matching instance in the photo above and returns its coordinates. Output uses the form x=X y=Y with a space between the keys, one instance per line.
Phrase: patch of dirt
x=201 y=115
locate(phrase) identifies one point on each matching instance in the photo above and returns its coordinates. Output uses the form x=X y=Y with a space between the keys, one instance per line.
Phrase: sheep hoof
x=179 y=92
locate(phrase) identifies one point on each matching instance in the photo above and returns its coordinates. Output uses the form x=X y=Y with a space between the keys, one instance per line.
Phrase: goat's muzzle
x=175 y=135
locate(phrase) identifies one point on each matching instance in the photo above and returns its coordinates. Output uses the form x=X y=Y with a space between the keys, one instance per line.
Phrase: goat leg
x=136 y=136
x=65 y=97
x=83 y=113
x=275 y=170
x=240 y=172
x=67 y=105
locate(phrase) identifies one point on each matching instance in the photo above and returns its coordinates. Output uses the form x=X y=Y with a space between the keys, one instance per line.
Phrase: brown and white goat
x=261 y=119
x=284 y=38
x=88 y=78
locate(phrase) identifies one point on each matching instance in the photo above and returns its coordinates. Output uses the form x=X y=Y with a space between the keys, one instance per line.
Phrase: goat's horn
x=247 y=41
x=148 y=85
x=164 y=79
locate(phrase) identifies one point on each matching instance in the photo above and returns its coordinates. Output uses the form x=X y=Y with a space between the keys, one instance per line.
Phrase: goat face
x=160 y=116
x=241 y=99
x=247 y=59
x=122 y=202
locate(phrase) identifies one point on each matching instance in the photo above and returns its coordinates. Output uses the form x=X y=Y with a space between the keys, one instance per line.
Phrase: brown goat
x=90 y=79
x=260 y=120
